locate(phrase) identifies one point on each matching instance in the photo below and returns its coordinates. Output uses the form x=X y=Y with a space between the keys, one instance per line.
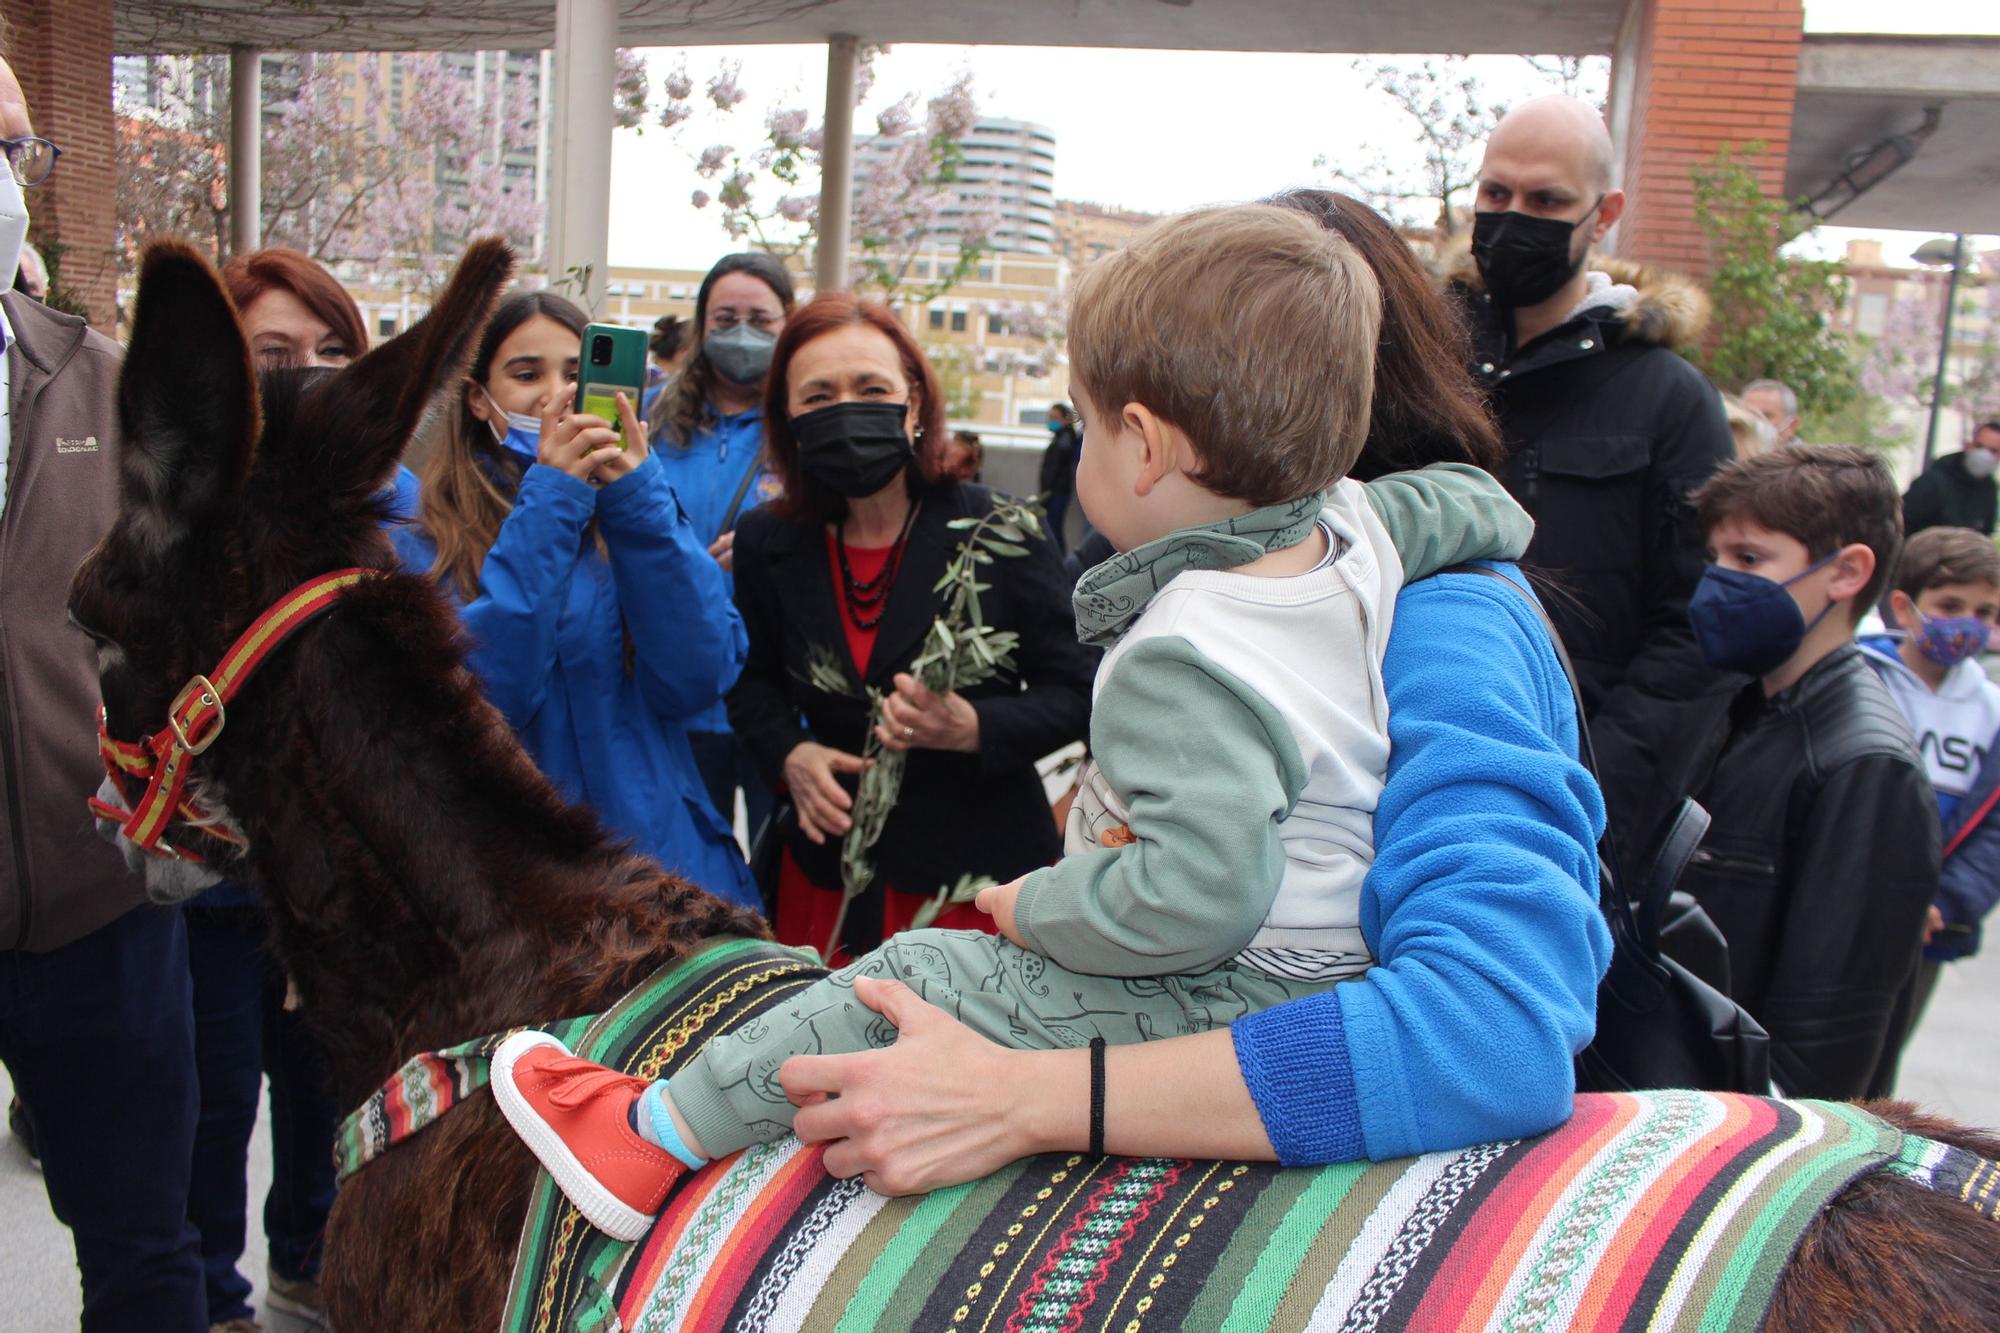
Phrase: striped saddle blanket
x=1661 y=1211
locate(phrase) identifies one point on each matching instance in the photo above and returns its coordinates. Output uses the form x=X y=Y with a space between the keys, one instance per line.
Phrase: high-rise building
x=1009 y=170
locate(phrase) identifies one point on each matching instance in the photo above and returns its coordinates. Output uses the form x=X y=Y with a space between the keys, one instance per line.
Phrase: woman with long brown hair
x=844 y=565
x=601 y=626
x=707 y=423
x=295 y=313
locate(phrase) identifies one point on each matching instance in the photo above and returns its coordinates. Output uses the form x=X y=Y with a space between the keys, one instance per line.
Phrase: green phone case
x=607 y=370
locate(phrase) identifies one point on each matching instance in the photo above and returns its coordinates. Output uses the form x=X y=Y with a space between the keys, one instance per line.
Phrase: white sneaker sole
x=298 y=1310
x=599 y=1206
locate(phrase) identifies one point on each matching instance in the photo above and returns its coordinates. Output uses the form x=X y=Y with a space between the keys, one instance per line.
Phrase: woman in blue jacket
x=600 y=624
x=1480 y=907
x=708 y=425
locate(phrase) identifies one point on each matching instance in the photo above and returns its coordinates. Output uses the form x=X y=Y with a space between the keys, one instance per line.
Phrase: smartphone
x=614 y=362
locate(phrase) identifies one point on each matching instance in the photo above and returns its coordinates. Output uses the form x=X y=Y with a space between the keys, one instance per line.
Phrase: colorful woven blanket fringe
x=1657 y=1211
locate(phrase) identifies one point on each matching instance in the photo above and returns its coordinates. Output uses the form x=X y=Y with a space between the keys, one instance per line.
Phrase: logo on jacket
x=86 y=445
x=1953 y=754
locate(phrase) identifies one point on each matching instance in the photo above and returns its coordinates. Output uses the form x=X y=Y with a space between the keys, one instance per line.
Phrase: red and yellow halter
x=195 y=720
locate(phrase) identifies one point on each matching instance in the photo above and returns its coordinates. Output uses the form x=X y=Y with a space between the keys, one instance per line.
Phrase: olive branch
x=960 y=651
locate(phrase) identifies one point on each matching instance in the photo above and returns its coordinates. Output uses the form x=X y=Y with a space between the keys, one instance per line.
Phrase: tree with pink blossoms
x=400 y=194
x=386 y=166
x=1448 y=116
x=1900 y=364
x=767 y=194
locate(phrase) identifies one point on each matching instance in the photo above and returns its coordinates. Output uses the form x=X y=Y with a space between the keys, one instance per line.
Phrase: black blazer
x=958 y=814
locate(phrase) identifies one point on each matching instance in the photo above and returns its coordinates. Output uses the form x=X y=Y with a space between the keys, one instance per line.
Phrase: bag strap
x=742 y=489
x=1977 y=818
x=1584 y=751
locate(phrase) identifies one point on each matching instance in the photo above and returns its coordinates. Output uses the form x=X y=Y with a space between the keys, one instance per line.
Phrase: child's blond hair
x=1252 y=329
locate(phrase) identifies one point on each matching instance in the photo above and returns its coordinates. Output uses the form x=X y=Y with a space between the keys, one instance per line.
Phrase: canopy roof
x=1553 y=27
x=1855 y=91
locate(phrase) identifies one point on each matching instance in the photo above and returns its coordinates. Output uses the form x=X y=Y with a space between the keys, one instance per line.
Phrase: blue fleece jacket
x=1481 y=906
x=705 y=476
x=549 y=627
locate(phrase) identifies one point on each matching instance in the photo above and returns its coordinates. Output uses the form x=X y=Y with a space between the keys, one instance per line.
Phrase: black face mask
x=854 y=448
x=1525 y=260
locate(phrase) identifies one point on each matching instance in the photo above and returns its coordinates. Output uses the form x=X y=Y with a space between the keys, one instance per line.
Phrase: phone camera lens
x=600 y=350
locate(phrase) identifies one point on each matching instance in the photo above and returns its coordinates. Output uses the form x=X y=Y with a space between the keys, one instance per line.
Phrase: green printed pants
x=729 y=1093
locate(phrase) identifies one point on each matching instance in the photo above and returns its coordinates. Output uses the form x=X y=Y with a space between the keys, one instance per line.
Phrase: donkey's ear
x=400 y=381
x=187 y=397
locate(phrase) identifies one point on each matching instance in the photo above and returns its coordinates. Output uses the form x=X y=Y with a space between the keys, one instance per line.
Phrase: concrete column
x=836 y=183
x=1688 y=77
x=579 y=209
x=246 y=149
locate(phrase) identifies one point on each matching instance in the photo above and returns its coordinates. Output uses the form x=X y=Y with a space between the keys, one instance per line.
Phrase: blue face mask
x=1749 y=624
x=523 y=435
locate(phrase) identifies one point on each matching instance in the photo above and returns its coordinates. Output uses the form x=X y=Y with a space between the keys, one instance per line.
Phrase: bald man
x=1608 y=432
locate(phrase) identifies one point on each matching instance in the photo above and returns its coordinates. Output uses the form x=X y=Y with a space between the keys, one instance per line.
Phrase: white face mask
x=1980 y=463
x=13 y=226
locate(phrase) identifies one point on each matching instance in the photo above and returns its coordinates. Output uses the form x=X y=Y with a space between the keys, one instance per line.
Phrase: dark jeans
x=724 y=766
x=243 y=1033
x=1058 y=513
x=99 y=1038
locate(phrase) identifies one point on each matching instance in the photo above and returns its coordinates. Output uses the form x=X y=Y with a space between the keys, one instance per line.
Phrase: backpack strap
x=743 y=489
x=1684 y=832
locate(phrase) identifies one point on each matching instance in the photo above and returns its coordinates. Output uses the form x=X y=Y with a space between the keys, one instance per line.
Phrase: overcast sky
x=1151 y=130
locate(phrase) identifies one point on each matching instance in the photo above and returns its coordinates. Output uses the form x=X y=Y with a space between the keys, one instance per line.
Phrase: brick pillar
x=1689 y=76
x=60 y=50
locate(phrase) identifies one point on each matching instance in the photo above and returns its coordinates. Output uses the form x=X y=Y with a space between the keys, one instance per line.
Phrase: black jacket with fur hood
x=1609 y=431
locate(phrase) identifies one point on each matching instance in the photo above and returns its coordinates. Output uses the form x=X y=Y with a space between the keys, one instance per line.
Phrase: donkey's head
x=234 y=488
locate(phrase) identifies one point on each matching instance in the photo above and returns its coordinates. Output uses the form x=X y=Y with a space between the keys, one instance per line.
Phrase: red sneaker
x=575 y=1116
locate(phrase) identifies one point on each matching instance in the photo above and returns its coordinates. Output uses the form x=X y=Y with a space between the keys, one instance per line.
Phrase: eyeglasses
x=761 y=320
x=31 y=158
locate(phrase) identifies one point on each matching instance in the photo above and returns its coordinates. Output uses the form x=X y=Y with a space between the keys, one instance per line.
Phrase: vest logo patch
x=86 y=445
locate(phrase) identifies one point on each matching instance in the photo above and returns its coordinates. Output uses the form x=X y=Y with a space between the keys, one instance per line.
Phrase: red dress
x=806 y=911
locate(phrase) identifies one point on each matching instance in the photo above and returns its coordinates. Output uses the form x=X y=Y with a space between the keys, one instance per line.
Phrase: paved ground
x=1948 y=1068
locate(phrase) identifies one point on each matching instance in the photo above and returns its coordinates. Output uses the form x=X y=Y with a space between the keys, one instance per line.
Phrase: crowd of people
x=1327 y=886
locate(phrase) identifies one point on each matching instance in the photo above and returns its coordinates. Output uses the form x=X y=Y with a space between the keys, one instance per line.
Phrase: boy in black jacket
x=1823 y=857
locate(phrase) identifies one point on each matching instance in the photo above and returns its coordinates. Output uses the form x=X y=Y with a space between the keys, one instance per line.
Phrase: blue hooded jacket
x=549 y=627
x=1969 y=884
x=705 y=475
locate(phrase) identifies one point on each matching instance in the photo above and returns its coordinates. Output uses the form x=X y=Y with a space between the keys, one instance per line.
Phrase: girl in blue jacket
x=600 y=624
x=707 y=423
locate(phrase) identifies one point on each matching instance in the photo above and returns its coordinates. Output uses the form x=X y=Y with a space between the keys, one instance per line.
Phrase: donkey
x=427 y=885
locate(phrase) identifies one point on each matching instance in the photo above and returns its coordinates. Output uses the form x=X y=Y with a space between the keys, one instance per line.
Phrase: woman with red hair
x=297 y=314
x=845 y=563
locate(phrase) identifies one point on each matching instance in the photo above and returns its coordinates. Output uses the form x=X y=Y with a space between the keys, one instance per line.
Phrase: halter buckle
x=210 y=697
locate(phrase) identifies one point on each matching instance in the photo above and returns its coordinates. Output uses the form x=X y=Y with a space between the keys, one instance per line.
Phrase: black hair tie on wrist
x=1097 y=1096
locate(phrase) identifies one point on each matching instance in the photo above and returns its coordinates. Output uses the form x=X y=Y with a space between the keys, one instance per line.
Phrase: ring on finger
x=909 y=733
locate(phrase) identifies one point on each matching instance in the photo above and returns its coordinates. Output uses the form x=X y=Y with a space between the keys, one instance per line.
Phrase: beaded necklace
x=866 y=599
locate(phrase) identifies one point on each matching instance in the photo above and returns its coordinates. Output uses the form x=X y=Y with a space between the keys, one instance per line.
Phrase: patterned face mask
x=1949 y=640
